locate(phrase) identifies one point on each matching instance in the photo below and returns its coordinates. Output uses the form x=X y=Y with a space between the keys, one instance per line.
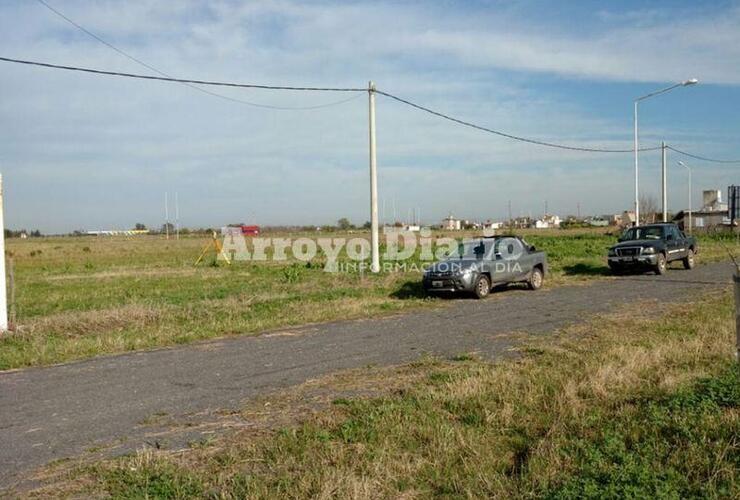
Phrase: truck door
x=511 y=261
x=675 y=243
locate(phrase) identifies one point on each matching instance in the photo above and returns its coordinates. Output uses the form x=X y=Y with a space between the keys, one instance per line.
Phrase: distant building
x=547 y=221
x=450 y=223
x=492 y=225
x=712 y=201
x=628 y=218
x=597 y=221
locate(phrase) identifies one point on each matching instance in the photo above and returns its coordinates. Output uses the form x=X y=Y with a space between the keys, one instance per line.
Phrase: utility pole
x=511 y=219
x=3 y=291
x=578 y=210
x=166 y=217
x=664 y=158
x=374 y=239
x=637 y=169
x=177 y=218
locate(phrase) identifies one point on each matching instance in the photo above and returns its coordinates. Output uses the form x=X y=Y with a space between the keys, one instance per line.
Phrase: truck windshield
x=472 y=249
x=643 y=233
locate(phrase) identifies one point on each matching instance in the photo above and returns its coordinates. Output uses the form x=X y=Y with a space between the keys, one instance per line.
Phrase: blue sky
x=80 y=151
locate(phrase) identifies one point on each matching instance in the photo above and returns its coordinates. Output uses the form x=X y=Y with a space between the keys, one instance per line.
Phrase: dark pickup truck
x=478 y=264
x=652 y=247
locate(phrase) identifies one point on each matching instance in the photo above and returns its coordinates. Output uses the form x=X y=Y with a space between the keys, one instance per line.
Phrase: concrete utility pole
x=3 y=290
x=664 y=163
x=166 y=217
x=682 y=164
x=177 y=218
x=637 y=169
x=374 y=239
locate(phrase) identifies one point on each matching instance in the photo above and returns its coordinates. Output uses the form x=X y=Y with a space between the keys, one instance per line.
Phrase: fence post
x=736 y=280
x=3 y=289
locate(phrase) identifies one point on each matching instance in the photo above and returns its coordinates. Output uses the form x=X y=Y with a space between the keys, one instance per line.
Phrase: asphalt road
x=61 y=411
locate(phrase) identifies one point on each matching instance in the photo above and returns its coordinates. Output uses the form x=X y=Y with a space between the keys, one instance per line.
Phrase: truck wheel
x=660 y=267
x=616 y=269
x=688 y=262
x=482 y=287
x=535 y=279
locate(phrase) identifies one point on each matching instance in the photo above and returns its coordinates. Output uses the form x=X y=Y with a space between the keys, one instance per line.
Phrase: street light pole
x=687 y=168
x=686 y=83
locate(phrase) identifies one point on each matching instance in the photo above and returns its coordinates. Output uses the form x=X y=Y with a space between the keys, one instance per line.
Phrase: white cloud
x=107 y=148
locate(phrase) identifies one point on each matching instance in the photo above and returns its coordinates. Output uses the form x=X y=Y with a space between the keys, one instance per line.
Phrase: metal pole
x=374 y=239
x=664 y=157
x=3 y=290
x=637 y=175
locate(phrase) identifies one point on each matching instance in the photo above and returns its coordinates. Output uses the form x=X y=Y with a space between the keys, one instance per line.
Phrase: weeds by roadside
x=619 y=407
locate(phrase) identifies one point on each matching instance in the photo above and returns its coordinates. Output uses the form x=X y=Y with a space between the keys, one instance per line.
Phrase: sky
x=80 y=151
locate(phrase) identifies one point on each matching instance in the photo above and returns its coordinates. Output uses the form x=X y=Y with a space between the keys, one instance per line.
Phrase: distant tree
x=168 y=228
x=367 y=225
x=344 y=224
x=648 y=209
x=140 y=227
x=35 y=233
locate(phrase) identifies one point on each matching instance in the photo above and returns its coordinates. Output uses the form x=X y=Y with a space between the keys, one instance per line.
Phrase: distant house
x=597 y=221
x=547 y=221
x=713 y=212
x=450 y=223
x=628 y=218
x=492 y=225
x=703 y=219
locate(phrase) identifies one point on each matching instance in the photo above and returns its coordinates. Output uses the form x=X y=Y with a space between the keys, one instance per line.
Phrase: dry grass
x=621 y=406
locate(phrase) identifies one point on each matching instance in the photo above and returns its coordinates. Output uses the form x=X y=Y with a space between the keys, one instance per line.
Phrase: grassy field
x=624 y=406
x=81 y=297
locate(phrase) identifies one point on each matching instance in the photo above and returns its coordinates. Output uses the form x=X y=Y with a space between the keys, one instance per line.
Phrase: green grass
x=82 y=297
x=620 y=407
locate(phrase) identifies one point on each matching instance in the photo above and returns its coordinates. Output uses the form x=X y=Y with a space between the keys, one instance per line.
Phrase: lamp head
x=690 y=81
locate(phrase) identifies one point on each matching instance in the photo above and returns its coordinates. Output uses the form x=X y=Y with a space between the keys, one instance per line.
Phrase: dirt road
x=61 y=411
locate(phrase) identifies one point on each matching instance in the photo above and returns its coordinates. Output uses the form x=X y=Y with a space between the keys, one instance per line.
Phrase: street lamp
x=687 y=168
x=691 y=81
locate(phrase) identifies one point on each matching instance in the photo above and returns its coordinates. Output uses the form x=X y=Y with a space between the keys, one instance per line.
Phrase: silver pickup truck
x=479 y=264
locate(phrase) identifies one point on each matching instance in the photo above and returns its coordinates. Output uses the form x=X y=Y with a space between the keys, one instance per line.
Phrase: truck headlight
x=648 y=250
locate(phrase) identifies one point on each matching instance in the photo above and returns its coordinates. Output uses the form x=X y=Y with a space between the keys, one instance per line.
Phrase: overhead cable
x=702 y=158
x=509 y=136
x=162 y=73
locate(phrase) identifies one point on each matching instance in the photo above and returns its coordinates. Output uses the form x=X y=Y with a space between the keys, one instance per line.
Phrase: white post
x=664 y=158
x=177 y=218
x=3 y=290
x=166 y=217
x=637 y=175
x=374 y=238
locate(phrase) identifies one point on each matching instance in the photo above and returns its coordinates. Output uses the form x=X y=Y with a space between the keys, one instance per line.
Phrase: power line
x=152 y=68
x=509 y=136
x=181 y=80
x=703 y=158
x=352 y=89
